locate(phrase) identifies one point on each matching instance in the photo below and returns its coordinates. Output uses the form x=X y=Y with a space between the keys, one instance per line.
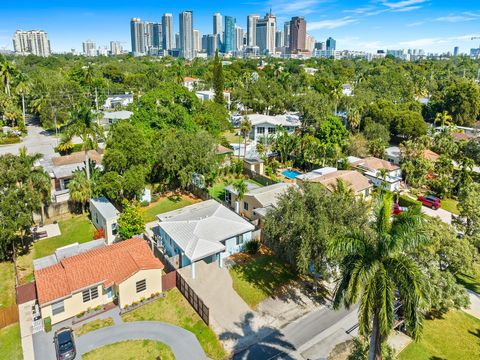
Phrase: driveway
x=442 y=214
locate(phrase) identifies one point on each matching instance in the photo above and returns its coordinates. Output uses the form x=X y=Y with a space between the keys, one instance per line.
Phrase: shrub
x=144 y=203
x=47 y=324
x=99 y=307
x=126 y=307
x=9 y=140
x=99 y=234
x=81 y=314
x=409 y=202
x=252 y=247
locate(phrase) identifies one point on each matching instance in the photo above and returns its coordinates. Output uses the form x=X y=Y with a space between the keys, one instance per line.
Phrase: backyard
x=455 y=336
x=132 y=350
x=10 y=343
x=175 y=309
x=165 y=204
x=7 y=284
x=217 y=190
x=260 y=276
x=232 y=136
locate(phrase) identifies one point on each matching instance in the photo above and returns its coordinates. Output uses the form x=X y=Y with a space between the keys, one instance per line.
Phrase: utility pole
x=96 y=99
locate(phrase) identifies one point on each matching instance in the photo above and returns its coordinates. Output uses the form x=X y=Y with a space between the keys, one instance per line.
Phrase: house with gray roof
x=267 y=125
x=105 y=216
x=206 y=231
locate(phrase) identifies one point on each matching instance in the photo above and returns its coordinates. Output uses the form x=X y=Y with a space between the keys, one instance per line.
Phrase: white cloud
x=302 y=7
x=417 y=23
x=402 y=4
x=428 y=42
x=408 y=8
x=330 y=24
x=452 y=18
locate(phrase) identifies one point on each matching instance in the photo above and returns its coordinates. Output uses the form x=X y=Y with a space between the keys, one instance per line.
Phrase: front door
x=110 y=292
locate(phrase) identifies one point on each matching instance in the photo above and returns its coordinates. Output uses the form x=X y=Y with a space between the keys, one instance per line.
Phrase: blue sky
x=434 y=25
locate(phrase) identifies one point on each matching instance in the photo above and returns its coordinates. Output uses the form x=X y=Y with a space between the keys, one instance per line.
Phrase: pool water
x=290 y=174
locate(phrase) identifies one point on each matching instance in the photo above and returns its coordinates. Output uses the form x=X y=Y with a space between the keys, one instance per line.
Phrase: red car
x=397 y=209
x=430 y=201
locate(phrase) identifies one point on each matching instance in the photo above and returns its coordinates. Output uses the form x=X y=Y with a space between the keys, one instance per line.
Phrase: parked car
x=430 y=201
x=397 y=209
x=65 y=344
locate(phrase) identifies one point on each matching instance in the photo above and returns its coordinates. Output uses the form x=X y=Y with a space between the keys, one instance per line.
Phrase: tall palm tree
x=241 y=187
x=354 y=119
x=443 y=118
x=83 y=123
x=245 y=127
x=374 y=270
x=7 y=72
x=80 y=189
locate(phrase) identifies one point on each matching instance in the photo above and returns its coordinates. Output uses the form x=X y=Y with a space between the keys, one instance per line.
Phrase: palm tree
x=354 y=119
x=7 y=71
x=83 y=124
x=80 y=189
x=245 y=127
x=374 y=269
x=241 y=187
x=443 y=118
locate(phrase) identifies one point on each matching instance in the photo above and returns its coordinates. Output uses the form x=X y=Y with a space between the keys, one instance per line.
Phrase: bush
x=99 y=234
x=9 y=140
x=407 y=201
x=47 y=324
x=144 y=203
x=252 y=247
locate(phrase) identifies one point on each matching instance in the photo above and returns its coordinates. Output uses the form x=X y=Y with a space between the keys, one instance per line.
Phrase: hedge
x=407 y=201
x=10 y=140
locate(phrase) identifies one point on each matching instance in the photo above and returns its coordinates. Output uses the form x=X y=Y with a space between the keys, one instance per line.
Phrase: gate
x=169 y=280
x=193 y=299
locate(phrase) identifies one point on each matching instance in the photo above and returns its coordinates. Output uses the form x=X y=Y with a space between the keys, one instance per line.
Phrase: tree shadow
x=475 y=333
x=264 y=343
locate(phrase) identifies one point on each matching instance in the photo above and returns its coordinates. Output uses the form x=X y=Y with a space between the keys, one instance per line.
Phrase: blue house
x=206 y=231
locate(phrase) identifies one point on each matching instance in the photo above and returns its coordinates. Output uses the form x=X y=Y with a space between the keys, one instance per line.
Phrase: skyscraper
x=266 y=31
x=89 y=48
x=252 y=29
x=298 y=34
x=286 y=33
x=33 y=42
x=217 y=24
x=197 y=44
x=168 y=36
x=238 y=38
x=186 y=35
x=212 y=44
x=456 y=50
x=148 y=26
x=279 y=39
x=157 y=35
x=137 y=33
x=331 y=44
x=229 y=34
x=116 y=48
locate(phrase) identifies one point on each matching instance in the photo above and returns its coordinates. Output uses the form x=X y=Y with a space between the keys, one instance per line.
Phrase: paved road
x=183 y=343
x=442 y=214
x=311 y=336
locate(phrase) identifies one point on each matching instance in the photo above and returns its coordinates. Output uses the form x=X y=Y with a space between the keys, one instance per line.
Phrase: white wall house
x=373 y=168
x=205 y=95
x=266 y=125
x=105 y=216
x=118 y=100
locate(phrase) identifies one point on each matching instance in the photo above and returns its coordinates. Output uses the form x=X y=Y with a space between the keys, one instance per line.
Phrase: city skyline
x=435 y=26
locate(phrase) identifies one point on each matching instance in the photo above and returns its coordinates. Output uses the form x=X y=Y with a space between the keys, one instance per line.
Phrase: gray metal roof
x=250 y=187
x=105 y=208
x=117 y=115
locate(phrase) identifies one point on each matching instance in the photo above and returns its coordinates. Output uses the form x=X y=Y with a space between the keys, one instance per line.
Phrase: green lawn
x=456 y=336
x=132 y=350
x=472 y=281
x=94 y=325
x=450 y=205
x=166 y=204
x=231 y=137
x=175 y=309
x=7 y=284
x=217 y=191
x=259 y=278
x=10 y=343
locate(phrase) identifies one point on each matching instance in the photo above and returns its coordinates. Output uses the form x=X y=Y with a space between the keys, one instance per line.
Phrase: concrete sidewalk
x=474 y=308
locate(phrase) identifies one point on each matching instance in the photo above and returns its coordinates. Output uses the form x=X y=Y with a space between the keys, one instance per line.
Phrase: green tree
x=443 y=119
x=241 y=187
x=80 y=189
x=374 y=266
x=131 y=221
x=462 y=100
x=469 y=207
x=245 y=128
x=218 y=80
x=7 y=72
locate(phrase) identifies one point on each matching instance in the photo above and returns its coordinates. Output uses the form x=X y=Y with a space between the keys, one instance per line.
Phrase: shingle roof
x=200 y=228
x=353 y=179
x=373 y=163
x=268 y=195
x=430 y=155
x=107 y=265
x=77 y=158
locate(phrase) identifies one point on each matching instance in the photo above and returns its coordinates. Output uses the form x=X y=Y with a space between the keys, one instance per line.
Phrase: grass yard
x=10 y=343
x=175 y=309
x=217 y=191
x=471 y=282
x=260 y=277
x=7 y=284
x=456 y=336
x=132 y=350
x=94 y=325
x=450 y=205
x=166 y=204
x=232 y=137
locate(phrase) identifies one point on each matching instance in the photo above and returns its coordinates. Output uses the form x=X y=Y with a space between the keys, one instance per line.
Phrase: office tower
x=229 y=34
x=89 y=48
x=157 y=35
x=186 y=35
x=252 y=29
x=298 y=34
x=217 y=24
x=211 y=44
x=266 y=30
x=279 y=39
x=148 y=27
x=309 y=43
x=33 y=42
x=197 y=44
x=331 y=44
x=286 y=33
x=116 y=48
x=456 y=50
x=176 y=43
x=239 y=37
x=204 y=42
x=137 y=33
x=168 y=36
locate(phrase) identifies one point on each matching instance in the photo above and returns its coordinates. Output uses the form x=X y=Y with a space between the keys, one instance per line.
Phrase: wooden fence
x=8 y=316
x=193 y=299
x=169 y=280
x=265 y=181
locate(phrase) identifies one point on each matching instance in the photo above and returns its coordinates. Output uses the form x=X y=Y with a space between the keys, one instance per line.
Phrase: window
x=260 y=130
x=58 y=308
x=245 y=205
x=141 y=285
x=228 y=197
x=271 y=130
x=90 y=294
x=114 y=229
x=239 y=240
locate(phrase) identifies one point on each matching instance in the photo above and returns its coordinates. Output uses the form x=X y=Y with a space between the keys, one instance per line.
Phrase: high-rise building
x=211 y=44
x=116 y=48
x=168 y=36
x=197 y=44
x=102 y=51
x=266 y=31
x=89 y=48
x=137 y=33
x=239 y=37
x=217 y=24
x=148 y=26
x=456 y=51
x=229 y=34
x=279 y=39
x=157 y=35
x=298 y=34
x=252 y=29
x=320 y=45
x=331 y=44
x=309 y=43
x=186 y=35
x=176 y=43
x=33 y=42
x=286 y=33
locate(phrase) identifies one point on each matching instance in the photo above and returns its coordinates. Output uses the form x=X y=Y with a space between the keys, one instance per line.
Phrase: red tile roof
x=26 y=293
x=107 y=265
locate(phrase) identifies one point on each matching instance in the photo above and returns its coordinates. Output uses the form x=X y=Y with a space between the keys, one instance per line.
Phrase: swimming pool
x=290 y=174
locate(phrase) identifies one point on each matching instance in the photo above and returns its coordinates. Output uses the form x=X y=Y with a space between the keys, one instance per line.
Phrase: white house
x=205 y=95
x=347 y=90
x=111 y=117
x=105 y=216
x=118 y=100
x=206 y=231
x=373 y=167
x=191 y=83
x=393 y=154
x=265 y=125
